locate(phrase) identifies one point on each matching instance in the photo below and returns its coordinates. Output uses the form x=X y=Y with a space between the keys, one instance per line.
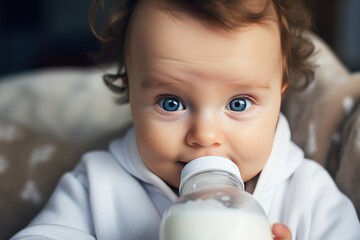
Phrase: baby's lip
x=186 y=161
x=182 y=164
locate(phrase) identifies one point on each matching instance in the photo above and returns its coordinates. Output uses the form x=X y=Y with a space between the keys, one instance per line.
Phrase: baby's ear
x=117 y=83
x=284 y=87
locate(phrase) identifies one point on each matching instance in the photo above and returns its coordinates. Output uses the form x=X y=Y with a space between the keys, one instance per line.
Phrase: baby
x=202 y=78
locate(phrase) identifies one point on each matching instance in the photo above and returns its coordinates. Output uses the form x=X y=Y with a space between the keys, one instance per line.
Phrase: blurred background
x=44 y=33
x=49 y=33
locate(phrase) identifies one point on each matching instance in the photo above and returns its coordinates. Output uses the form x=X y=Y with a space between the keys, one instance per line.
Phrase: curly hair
x=292 y=16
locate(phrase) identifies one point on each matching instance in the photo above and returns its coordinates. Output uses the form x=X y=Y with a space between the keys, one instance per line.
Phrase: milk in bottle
x=213 y=205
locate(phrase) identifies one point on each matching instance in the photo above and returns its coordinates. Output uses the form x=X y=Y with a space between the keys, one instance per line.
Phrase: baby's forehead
x=159 y=41
x=151 y=21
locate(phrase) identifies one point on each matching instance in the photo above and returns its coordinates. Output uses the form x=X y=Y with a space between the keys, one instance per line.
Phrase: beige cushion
x=317 y=114
x=71 y=104
x=348 y=175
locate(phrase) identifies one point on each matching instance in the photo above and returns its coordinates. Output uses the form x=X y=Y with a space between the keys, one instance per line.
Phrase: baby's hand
x=281 y=232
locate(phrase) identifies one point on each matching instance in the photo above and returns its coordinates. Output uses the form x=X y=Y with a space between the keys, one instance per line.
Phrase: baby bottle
x=213 y=205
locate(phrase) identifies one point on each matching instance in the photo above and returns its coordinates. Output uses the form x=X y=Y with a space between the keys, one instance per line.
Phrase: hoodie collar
x=284 y=159
x=126 y=152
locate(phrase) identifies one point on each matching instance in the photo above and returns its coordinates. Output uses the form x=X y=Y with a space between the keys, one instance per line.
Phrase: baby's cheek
x=252 y=154
x=158 y=144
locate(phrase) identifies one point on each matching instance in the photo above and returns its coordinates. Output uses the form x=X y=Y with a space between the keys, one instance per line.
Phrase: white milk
x=215 y=224
x=214 y=206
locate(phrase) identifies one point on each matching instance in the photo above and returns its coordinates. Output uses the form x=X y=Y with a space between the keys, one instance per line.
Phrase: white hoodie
x=112 y=195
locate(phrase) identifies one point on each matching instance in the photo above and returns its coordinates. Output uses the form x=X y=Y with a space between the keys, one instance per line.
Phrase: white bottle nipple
x=209 y=163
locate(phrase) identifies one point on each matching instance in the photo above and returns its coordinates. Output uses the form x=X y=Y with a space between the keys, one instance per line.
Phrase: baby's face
x=196 y=91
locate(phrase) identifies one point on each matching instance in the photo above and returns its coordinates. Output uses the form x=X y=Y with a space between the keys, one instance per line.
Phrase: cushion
x=348 y=175
x=317 y=115
x=71 y=104
x=31 y=164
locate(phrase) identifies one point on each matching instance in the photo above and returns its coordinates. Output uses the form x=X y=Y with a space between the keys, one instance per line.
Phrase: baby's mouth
x=181 y=164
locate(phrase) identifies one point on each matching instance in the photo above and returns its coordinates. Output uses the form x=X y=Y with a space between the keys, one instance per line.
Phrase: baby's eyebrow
x=153 y=84
x=232 y=83
x=158 y=83
x=248 y=83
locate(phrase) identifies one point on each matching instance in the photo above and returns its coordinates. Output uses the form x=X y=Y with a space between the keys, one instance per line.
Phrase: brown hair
x=292 y=16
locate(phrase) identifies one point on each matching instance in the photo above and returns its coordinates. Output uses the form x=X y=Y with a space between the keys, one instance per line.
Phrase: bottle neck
x=210 y=179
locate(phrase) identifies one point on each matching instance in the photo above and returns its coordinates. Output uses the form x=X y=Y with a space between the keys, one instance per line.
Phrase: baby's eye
x=239 y=104
x=171 y=104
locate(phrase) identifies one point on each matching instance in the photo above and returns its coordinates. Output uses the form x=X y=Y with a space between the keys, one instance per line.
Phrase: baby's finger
x=281 y=232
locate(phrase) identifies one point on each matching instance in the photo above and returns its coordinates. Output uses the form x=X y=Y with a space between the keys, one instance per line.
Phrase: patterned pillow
x=316 y=115
x=30 y=167
x=348 y=175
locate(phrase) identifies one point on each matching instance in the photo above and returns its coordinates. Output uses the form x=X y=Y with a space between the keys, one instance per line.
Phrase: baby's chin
x=251 y=183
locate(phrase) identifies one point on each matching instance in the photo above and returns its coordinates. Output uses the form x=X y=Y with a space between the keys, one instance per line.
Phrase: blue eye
x=239 y=104
x=171 y=104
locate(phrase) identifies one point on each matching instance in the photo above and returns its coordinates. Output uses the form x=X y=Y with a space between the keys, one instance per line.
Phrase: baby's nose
x=205 y=131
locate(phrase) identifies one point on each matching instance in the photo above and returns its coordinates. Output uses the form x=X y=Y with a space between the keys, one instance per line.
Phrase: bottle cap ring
x=209 y=163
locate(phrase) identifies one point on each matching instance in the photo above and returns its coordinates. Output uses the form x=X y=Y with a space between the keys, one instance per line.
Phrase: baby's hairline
x=178 y=11
x=165 y=7
x=292 y=17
